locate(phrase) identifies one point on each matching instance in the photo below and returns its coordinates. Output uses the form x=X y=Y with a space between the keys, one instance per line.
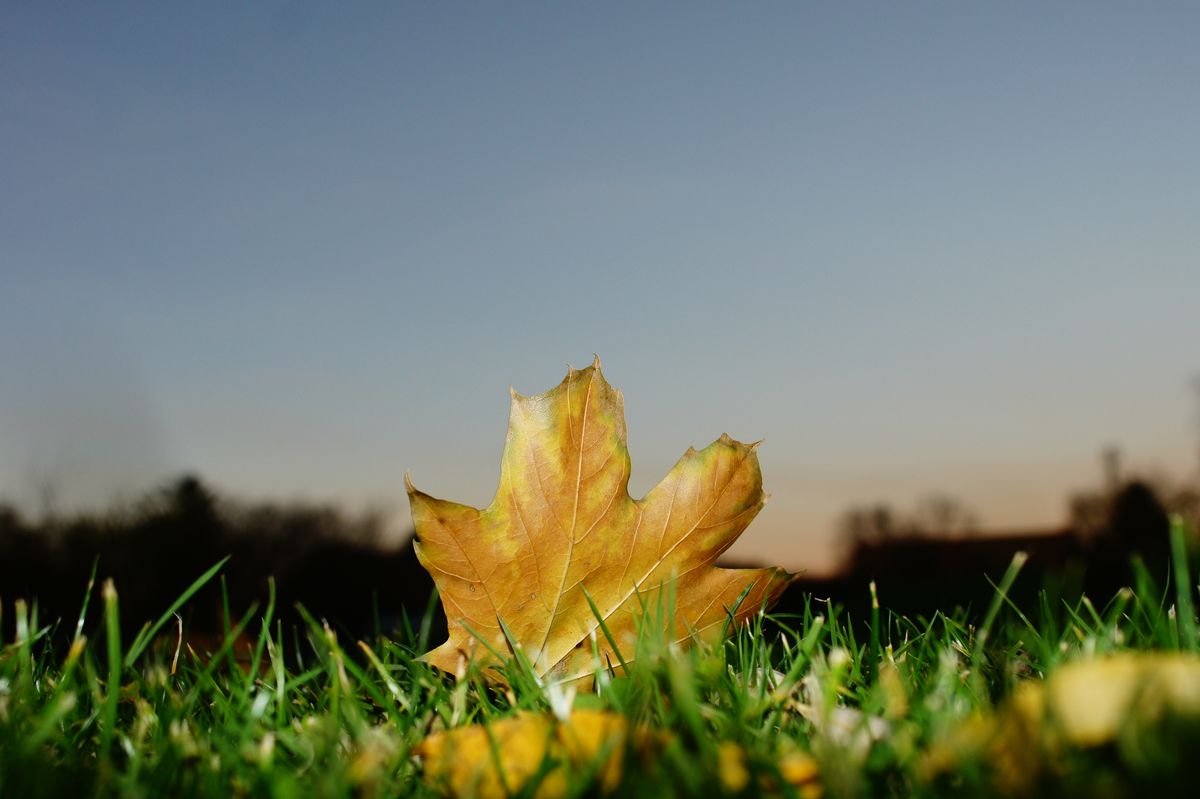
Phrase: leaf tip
x=596 y=361
x=408 y=483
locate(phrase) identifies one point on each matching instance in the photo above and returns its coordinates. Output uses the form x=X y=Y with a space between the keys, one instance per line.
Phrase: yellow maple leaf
x=562 y=529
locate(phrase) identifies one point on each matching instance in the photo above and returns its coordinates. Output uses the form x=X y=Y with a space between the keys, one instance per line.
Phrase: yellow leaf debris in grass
x=1081 y=705
x=796 y=768
x=731 y=767
x=1089 y=701
x=497 y=760
x=547 y=757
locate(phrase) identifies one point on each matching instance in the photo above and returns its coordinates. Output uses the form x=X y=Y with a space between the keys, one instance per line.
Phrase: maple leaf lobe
x=562 y=521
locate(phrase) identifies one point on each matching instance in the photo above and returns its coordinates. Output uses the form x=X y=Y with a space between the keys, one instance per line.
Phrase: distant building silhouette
x=921 y=571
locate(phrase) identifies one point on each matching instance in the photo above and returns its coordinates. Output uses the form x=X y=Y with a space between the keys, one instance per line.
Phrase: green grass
x=302 y=713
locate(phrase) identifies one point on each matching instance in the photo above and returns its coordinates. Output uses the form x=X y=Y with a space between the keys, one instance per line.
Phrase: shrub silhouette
x=338 y=566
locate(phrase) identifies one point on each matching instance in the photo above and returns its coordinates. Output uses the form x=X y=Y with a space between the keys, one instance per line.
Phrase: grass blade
x=608 y=636
x=87 y=597
x=147 y=635
x=112 y=624
x=1185 y=611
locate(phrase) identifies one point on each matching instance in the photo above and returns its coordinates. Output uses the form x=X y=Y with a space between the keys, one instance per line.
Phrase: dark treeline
x=338 y=566
x=341 y=568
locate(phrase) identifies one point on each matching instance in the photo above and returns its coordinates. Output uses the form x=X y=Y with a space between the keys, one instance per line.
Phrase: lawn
x=1095 y=697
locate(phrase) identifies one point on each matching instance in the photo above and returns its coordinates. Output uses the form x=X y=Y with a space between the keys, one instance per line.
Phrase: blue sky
x=300 y=248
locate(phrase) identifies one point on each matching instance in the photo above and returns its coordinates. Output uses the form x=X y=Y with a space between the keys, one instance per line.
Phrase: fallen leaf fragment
x=500 y=759
x=731 y=767
x=562 y=534
x=800 y=770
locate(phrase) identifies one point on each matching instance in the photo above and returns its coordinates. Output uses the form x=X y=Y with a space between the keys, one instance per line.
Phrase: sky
x=300 y=248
